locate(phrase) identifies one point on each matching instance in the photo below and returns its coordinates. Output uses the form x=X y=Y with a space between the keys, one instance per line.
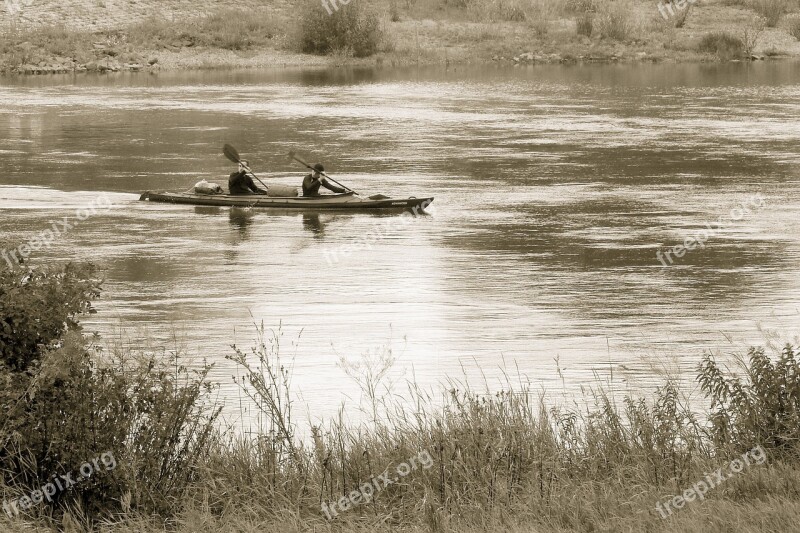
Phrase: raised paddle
x=293 y=156
x=233 y=155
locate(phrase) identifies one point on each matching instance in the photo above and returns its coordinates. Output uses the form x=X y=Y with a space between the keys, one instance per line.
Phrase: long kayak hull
x=347 y=201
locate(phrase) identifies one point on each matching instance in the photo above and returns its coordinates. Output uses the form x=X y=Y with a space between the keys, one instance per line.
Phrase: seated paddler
x=315 y=180
x=240 y=182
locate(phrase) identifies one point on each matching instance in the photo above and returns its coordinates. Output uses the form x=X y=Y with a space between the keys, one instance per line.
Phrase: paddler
x=241 y=183
x=315 y=180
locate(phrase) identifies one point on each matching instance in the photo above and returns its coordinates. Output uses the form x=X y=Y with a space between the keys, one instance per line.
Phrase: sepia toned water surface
x=555 y=187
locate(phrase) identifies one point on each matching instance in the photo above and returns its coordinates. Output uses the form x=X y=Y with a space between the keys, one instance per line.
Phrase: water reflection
x=312 y=223
x=241 y=220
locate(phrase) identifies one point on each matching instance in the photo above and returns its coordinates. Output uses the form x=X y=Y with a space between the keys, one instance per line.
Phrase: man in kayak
x=241 y=183
x=314 y=181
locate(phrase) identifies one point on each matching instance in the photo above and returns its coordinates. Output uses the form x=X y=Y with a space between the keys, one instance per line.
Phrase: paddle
x=233 y=155
x=293 y=156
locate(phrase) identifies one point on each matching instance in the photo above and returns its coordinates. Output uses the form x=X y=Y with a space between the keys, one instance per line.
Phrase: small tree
x=750 y=34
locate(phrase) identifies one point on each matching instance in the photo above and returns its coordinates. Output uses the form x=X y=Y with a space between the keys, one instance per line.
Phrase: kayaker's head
x=243 y=165
x=318 y=168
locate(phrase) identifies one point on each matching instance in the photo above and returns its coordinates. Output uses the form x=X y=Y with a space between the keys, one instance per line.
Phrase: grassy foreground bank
x=111 y=35
x=462 y=460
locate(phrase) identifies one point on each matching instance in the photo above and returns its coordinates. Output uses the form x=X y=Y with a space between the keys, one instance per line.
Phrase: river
x=554 y=186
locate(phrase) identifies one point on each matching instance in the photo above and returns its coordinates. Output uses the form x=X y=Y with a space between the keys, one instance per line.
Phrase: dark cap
x=319 y=168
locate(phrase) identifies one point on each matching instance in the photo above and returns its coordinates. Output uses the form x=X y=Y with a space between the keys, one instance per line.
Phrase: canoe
x=346 y=201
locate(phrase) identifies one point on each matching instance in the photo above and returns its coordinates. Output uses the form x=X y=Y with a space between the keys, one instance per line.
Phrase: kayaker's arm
x=253 y=187
x=325 y=183
x=241 y=183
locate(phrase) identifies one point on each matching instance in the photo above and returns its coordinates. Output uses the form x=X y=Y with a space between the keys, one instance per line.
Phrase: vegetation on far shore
x=503 y=460
x=407 y=31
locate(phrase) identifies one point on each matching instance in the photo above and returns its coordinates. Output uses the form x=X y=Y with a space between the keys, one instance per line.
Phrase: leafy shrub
x=722 y=44
x=38 y=307
x=771 y=10
x=63 y=403
x=762 y=409
x=352 y=29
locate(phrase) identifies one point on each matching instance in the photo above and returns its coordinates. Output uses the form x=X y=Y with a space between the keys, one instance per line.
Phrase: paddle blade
x=291 y=155
x=231 y=153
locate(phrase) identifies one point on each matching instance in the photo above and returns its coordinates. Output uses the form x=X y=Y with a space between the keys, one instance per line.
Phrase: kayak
x=346 y=201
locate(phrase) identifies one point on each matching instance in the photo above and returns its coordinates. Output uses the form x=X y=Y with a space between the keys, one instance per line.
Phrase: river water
x=555 y=188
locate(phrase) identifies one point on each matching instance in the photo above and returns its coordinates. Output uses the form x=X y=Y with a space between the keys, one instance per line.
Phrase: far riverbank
x=111 y=36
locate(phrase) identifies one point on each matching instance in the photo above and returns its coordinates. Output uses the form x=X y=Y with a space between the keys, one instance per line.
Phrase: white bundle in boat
x=281 y=190
x=204 y=187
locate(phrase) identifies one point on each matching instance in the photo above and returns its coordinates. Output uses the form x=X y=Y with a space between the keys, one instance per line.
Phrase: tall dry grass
x=770 y=10
x=500 y=459
x=617 y=21
x=793 y=26
x=227 y=28
x=502 y=453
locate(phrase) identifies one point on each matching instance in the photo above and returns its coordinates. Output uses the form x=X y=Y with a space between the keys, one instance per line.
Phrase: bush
x=771 y=10
x=63 y=403
x=722 y=44
x=352 y=29
x=38 y=307
x=761 y=410
x=616 y=21
x=793 y=27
